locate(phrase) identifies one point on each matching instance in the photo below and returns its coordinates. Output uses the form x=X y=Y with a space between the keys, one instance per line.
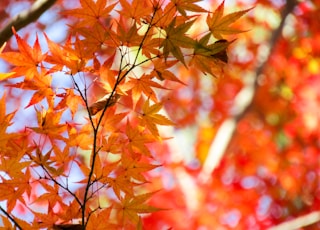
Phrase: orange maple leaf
x=131 y=206
x=109 y=78
x=51 y=195
x=4 y=76
x=128 y=36
x=91 y=12
x=143 y=85
x=136 y=10
x=187 y=5
x=13 y=166
x=49 y=123
x=150 y=117
x=22 y=223
x=132 y=168
x=79 y=138
x=163 y=17
x=73 y=55
x=69 y=211
x=111 y=119
x=26 y=61
x=6 y=223
x=219 y=24
x=5 y=121
x=97 y=37
x=69 y=100
x=120 y=184
x=41 y=83
x=99 y=220
x=161 y=72
x=112 y=144
x=136 y=140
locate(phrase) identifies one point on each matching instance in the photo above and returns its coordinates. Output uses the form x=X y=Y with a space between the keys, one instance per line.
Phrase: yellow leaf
x=150 y=117
x=132 y=206
x=176 y=39
x=219 y=24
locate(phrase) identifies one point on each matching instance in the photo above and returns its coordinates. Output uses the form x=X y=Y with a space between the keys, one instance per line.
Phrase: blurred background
x=246 y=149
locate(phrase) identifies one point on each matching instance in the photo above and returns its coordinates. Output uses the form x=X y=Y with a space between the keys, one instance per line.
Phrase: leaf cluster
x=118 y=57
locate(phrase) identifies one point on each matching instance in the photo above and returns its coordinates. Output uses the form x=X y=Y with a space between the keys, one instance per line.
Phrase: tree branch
x=10 y=218
x=24 y=18
x=299 y=222
x=242 y=102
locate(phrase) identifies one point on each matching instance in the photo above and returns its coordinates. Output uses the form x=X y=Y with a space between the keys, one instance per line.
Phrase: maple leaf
x=187 y=5
x=219 y=24
x=79 y=138
x=6 y=190
x=24 y=185
x=91 y=12
x=151 y=119
x=143 y=85
x=45 y=161
x=128 y=37
x=26 y=61
x=136 y=10
x=136 y=140
x=209 y=57
x=48 y=121
x=13 y=166
x=103 y=103
x=73 y=56
x=6 y=223
x=99 y=220
x=111 y=120
x=51 y=195
x=161 y=72
x=162 y=17
x=150 y=46
x=45 y=220
x=24 y=224
x=69 y=100
x=17 y=186
x=60 y=157
x=131 y=206
x=132 y=168
x=5 y=119
x=108 y=77
x=119 y=185
x=111 y=144
x=175 y=38
x=41 y=83
x=97 y=37
x=4 y=76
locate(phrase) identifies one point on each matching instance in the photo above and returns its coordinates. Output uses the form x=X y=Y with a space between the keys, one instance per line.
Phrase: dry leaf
x=103 y=103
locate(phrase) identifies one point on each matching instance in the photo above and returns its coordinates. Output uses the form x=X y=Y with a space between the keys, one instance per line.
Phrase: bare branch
x=242 y=103
x=24 y=18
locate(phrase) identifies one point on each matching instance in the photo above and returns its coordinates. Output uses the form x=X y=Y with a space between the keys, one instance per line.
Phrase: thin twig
x=10 y=218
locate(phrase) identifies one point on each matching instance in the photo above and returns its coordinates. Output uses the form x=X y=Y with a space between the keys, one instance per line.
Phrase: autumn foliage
x=89 y=126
